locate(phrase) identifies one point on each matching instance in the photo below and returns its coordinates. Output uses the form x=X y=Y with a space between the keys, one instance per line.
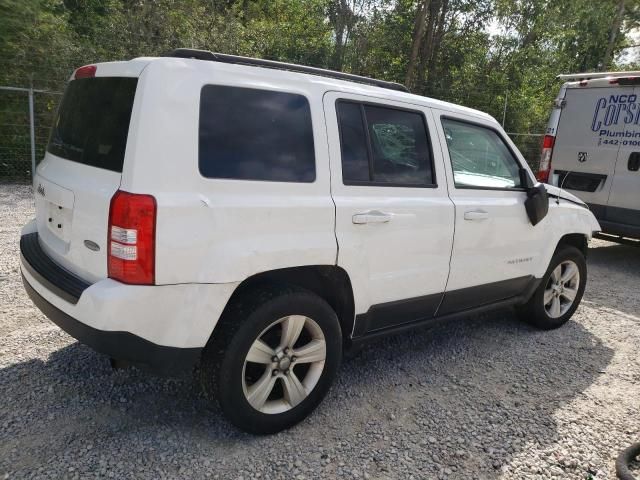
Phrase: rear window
x=252 y=134
x=92 y=123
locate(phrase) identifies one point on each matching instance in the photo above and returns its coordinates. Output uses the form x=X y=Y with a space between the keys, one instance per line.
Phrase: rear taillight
x=132 y=238
x=545 y=159
x=88 y=71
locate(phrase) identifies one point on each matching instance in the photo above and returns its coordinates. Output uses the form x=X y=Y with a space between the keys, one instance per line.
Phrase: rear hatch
x=82 y=168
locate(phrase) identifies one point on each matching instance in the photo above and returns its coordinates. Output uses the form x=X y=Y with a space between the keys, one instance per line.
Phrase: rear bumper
x=162 y=327
x=56 y=279
x=119 y=345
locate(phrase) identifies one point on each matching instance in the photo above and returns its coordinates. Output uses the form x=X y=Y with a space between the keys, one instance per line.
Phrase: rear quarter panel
x=220 y=230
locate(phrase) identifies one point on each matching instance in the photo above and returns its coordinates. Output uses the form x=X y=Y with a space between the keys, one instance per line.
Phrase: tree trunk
x=429 y=43
x=418 y=34
x=427 y=69
x=615 y=30
x=338 y=52
x=342 y=19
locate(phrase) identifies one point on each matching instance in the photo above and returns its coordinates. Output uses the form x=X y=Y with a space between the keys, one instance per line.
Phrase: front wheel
x=273 y=359
x=559 y=292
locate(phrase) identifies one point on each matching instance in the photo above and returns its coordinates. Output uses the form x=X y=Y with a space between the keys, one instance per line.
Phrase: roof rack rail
x=257 y=62
x=574 y=77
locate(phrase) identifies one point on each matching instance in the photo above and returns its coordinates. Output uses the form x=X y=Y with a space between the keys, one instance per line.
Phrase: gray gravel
x=485 y=397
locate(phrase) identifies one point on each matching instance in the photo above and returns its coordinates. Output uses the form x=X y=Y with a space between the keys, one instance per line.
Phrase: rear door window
x=252 y=134
x=353 y=143
x=384 y=146
x=92 y=123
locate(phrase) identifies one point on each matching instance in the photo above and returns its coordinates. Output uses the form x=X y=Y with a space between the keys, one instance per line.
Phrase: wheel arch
x=329 y=282
x=553 y=244
x=578 y=240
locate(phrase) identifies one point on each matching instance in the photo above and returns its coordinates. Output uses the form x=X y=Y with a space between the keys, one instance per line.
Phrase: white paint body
x=596 y=125
x=212 y=234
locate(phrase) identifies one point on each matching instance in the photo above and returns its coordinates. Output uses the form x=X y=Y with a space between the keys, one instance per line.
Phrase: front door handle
x=372 y=216
x=476 y=215
x=634 y=162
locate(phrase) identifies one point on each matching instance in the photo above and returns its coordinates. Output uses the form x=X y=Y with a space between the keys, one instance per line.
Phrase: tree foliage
x=474 y=52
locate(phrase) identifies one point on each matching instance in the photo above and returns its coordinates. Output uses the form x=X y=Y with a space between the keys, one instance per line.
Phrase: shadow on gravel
x=462 y=398
x=486 y=388
x=613 y=269
x=623 y=258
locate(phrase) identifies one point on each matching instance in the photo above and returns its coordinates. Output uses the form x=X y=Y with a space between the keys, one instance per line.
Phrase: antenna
x=562 y=185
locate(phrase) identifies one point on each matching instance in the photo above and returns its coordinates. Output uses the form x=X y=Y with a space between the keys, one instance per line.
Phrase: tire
x=230 y=376
x=545 y=315
x=624 y=461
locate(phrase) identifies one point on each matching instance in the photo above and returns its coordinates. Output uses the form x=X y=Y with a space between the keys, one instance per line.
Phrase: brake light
x=545 y=159
x=88 y=71
x=132 y=238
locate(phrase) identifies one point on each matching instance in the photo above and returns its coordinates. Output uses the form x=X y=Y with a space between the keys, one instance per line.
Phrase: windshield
x=92 y=123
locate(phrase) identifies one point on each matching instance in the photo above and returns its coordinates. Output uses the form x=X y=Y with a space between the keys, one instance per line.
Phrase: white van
x=592 y=147
x=258 y=218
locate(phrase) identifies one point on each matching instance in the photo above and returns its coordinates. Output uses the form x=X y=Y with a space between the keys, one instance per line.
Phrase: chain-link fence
x=26 y=115
x=530 y=145
x=504 y=106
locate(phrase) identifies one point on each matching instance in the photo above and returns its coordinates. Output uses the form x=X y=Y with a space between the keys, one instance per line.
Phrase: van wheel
x=559 y=292
x=273 y=358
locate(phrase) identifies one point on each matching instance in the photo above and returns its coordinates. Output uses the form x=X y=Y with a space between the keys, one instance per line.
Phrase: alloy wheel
x=284 y=364
x=561 y=289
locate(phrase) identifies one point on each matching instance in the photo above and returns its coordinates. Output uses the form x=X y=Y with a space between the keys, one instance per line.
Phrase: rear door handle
x=476 y=215
x=372 y=216
x=634 y=162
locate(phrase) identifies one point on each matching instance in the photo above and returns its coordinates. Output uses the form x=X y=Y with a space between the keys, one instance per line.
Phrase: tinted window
x=383 y=146
x=479 y=157
x=254 y=134
x=92 y=123
x=353 y=143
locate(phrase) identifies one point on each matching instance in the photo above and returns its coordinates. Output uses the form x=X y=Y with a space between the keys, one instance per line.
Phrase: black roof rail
x=258 y=62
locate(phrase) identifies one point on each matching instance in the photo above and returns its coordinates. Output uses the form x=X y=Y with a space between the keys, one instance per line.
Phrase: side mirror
x=537 y=203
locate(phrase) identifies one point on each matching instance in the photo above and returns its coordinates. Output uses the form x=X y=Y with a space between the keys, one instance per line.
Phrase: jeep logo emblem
x=41 y=189
x=92 y=245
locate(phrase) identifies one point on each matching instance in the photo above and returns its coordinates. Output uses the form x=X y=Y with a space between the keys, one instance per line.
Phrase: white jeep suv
x=257 y=218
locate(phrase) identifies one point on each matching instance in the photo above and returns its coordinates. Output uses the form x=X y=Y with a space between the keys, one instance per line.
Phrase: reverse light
x=132 y=237
x=545 y=158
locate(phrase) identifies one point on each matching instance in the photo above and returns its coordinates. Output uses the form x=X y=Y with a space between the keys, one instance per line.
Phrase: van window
x=479 y=157
x=92 y=122
x=251 y=134
x=383 y=146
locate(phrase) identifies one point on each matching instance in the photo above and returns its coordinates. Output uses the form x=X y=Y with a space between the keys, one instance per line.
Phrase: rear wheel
x=559 y=292
x=273 y=358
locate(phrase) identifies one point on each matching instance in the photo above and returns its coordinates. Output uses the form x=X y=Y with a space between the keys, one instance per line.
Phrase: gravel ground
x=485 y=397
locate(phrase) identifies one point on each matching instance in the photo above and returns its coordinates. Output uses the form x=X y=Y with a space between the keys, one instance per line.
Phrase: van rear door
x=623 y=207
x=82 y=168
x=589 y=137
